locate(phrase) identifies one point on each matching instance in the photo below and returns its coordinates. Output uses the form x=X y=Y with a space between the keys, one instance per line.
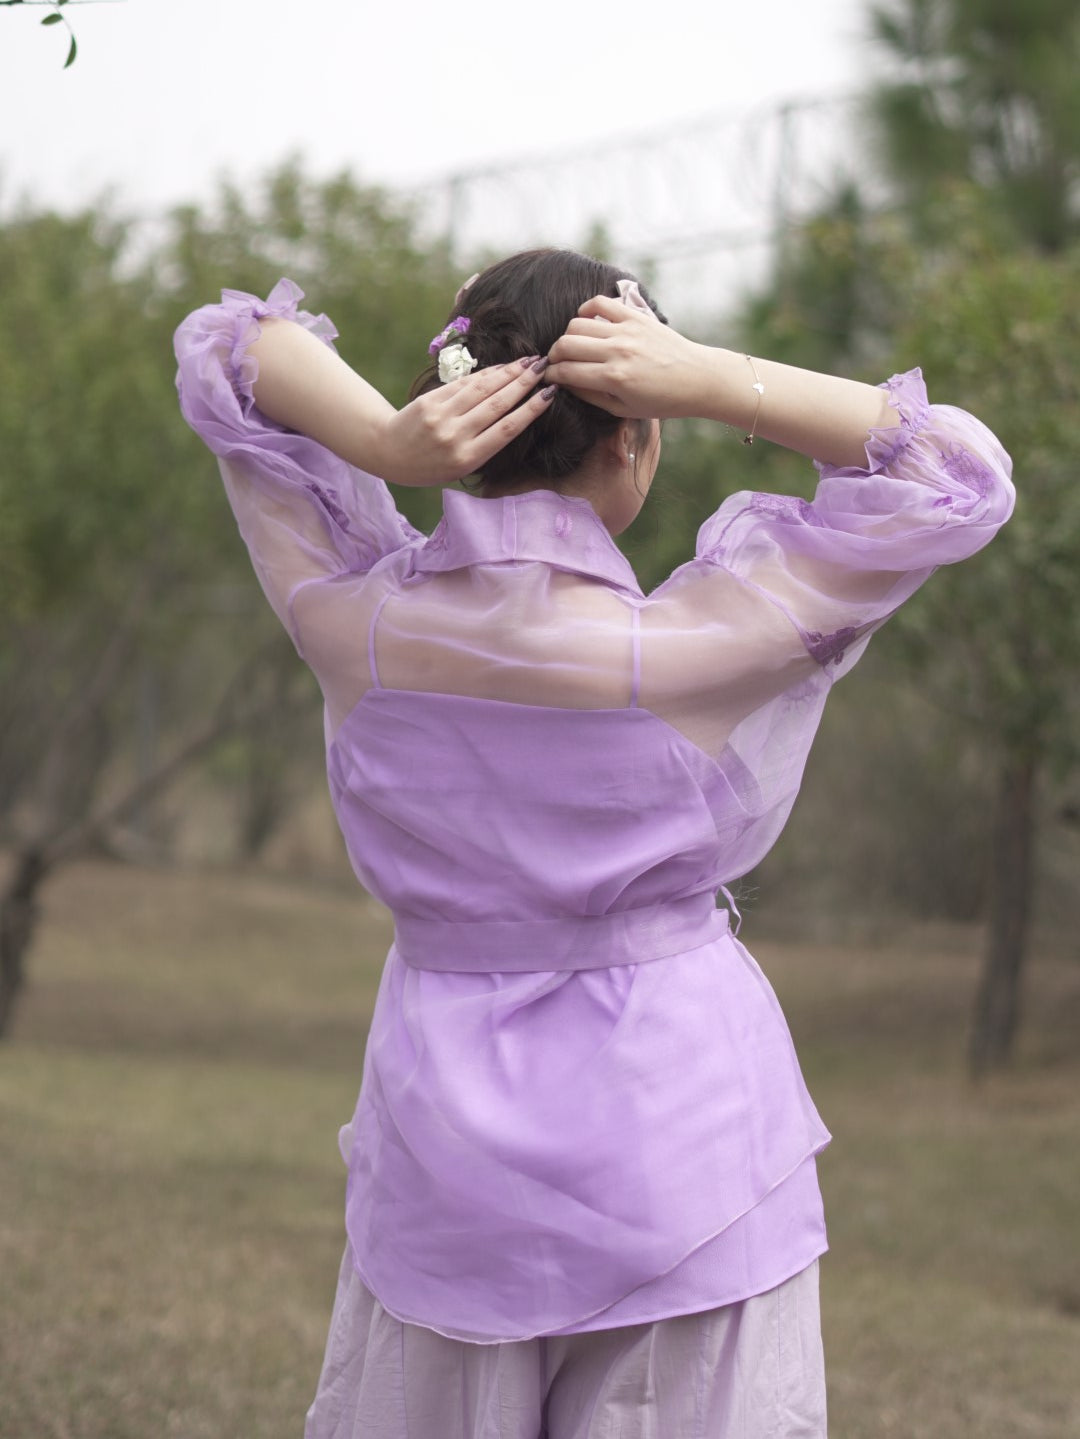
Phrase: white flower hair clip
x=455 y=362
x=454 y=358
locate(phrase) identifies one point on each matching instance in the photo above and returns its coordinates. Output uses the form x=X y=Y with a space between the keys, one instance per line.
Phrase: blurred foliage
x=96 y=461
x=971 y=269
x=996 y=331
x=357 y=253
x=85 y=418
x=991 y=322
x=118 y=555
x=985 y=91
x=973 y=272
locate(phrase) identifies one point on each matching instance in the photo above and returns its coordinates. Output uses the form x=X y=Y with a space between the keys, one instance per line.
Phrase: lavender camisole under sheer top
x=580 y=1104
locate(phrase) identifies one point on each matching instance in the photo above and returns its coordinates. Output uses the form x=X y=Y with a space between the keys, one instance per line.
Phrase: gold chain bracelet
x=759 y=389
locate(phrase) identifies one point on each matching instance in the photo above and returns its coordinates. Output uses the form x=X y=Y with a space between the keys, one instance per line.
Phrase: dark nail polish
x=549 y=393
x=528 y=362
x=540 y=364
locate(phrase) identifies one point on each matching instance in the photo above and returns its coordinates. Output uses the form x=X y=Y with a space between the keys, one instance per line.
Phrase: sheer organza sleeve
x=740 y=648
x=934 y=490
x=305 y=514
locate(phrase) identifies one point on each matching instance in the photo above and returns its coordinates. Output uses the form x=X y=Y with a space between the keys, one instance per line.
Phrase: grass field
x=171 y=1193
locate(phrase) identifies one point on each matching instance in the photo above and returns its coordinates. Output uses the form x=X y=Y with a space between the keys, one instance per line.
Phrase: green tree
x=985 y=90
x=987 y=97
x=997 y=333
x=120 y=566
x=973 y=273
x=359 y=256
x=99 y=517
x=990 y=317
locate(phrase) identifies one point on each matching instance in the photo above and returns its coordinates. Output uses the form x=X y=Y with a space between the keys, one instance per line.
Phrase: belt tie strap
x=628 y=936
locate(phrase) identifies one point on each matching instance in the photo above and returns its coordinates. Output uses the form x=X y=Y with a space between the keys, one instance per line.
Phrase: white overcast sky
x=168 y=94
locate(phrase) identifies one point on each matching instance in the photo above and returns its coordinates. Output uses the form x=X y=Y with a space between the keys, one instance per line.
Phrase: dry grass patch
x=171 y=1193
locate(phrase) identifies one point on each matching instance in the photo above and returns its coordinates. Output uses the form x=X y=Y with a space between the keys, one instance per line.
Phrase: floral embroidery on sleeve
x=830 y=648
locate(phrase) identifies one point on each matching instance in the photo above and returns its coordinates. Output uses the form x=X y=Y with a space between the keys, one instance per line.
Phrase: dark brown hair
x=520 y=307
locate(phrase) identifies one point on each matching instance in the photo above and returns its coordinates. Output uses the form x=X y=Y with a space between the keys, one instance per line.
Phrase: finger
x=500 y=384
x=460 y=395
x=508 y=427
x=488 y=416
x=603 y=400
x=598 y=329
x=583 y=349
x=590 y=383
x=603 y=307
x=489 y=409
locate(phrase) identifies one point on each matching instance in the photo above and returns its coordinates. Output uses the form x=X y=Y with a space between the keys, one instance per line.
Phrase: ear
x=624 y=444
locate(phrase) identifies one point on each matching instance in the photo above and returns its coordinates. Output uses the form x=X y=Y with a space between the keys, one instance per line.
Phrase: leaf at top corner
x=53 y=19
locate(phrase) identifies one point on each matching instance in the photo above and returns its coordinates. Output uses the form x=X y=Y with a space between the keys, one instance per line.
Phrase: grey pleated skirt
x=752 y=1370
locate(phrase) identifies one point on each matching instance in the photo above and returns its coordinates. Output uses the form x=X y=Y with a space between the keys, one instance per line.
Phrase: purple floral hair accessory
x=458 y=326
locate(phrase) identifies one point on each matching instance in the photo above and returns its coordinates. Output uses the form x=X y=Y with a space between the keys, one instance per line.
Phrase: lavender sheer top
x=580 y=1103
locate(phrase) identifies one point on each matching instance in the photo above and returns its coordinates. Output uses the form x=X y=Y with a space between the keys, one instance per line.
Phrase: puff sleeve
x=934 y=490
x=306 y=515
x=741 y=645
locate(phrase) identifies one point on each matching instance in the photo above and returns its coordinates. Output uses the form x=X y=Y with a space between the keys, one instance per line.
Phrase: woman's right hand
x=453 y=431
x=628 y=362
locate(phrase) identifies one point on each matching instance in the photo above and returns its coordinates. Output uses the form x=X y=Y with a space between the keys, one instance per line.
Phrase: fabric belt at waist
x=627 y=936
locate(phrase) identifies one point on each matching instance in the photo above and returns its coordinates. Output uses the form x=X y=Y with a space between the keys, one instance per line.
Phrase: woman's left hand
x=452 y=431
x=438 y=437
x=628 y=363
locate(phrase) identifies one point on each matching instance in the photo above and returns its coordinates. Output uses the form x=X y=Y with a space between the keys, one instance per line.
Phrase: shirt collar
x=560 y=530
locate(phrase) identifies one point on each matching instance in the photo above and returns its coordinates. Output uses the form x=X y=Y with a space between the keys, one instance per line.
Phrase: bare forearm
x=630 y=364
x=439 y=437
x=823 y=416
x=305 y=386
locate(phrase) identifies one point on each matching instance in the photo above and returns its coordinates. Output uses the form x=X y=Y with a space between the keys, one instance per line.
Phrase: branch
x=91 y=695
x=230 y=715
x=57 y=17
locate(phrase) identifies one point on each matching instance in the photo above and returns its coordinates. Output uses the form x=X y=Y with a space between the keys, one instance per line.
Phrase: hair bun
x=520 y=307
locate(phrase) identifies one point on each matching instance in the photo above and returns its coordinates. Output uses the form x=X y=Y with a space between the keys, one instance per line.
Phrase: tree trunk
x=997 y=999
x=18 y=917
x=51 y=847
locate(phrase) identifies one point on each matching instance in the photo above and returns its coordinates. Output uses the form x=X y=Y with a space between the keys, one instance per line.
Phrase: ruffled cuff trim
x=244 y=312
x=907 y=395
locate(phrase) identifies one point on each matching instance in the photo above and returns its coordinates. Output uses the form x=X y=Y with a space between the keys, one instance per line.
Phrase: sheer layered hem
x=531 y=1150
x=777 y=1238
